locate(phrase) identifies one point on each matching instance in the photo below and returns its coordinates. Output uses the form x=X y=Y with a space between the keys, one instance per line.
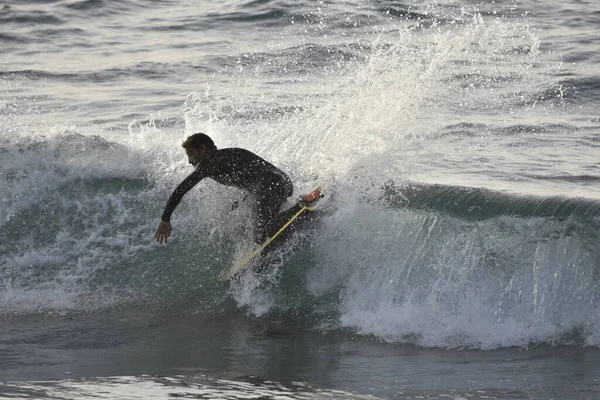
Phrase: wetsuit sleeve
x=179 y=192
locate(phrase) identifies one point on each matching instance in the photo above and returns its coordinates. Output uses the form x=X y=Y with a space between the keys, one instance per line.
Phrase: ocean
x=456 y=142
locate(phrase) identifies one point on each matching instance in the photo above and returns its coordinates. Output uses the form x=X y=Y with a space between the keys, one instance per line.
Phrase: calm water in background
x=459 y=255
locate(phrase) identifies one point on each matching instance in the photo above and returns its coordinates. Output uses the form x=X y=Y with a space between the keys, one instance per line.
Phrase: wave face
x=454 y=266
x=456 y=147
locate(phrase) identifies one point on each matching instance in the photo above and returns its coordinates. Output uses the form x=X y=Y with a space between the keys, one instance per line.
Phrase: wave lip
x=480 y=204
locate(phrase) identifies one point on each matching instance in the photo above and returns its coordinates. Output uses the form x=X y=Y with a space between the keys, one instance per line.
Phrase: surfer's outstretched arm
x=164 y=228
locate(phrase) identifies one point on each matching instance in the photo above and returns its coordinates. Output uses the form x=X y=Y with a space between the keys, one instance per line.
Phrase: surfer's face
x=195 y=155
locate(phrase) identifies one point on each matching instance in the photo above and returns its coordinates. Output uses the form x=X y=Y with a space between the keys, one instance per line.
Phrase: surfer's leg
x=266 y=207
x=278 y=220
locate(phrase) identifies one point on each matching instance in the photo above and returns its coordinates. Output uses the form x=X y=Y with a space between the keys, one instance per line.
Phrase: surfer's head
x=197 y=147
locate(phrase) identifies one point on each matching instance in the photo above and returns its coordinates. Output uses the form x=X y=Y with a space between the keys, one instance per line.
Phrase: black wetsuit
x=243 y=169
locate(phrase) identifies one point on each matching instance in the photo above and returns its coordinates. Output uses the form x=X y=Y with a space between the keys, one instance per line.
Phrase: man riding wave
x=267 y=185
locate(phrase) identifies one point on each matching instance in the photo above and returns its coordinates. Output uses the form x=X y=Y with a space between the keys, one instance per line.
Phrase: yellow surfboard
x=227 y=275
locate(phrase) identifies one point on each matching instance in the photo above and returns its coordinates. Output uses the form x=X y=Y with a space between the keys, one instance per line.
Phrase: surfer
x=268 y=185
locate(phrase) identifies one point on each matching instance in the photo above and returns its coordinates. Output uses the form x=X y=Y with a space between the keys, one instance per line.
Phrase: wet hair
x=198 y=139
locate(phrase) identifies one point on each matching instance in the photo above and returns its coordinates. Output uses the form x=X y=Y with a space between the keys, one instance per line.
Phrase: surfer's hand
x=163 y=232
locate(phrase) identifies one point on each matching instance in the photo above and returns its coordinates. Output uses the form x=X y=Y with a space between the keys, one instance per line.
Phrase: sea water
x=456 y=142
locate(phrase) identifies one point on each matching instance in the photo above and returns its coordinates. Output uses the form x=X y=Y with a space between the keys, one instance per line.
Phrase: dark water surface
x=68 y=356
